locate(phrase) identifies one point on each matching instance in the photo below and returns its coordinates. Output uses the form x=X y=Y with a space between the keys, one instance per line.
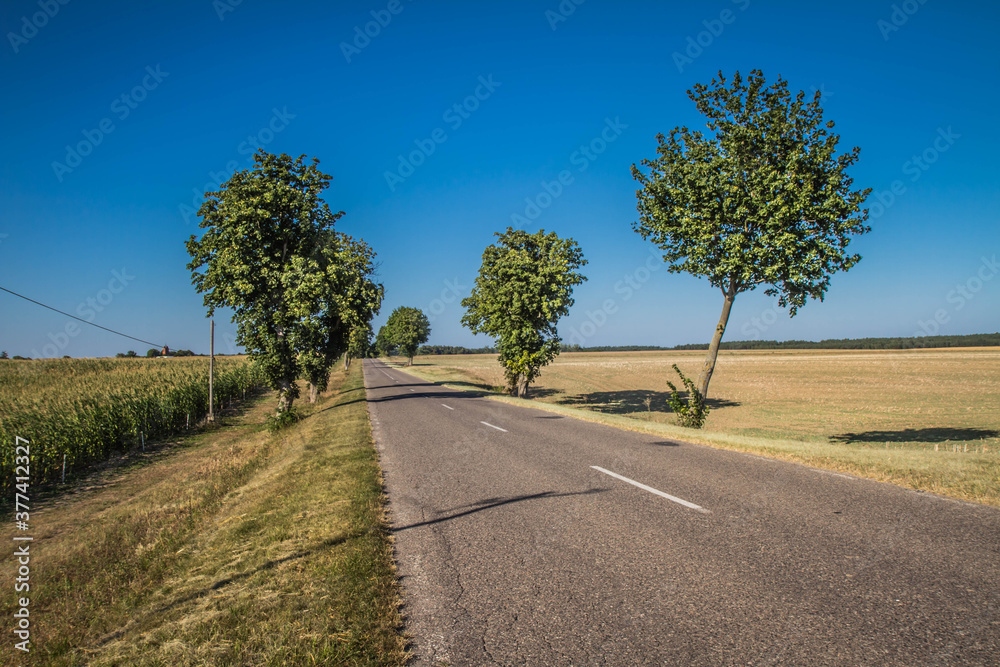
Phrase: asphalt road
x=517 y=547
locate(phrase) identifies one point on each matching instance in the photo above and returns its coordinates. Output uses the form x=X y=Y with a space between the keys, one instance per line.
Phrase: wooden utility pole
x=211 y=373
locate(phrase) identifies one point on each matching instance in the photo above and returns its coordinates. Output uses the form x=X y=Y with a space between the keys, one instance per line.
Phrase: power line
x=119 y=333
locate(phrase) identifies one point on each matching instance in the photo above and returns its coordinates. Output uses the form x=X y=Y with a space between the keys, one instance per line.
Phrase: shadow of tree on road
x=633 y=400
x=490 y=503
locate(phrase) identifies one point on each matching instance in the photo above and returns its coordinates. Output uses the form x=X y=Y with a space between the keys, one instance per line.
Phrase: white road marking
x=677 y=500
x=492 y=426
x=448 y=406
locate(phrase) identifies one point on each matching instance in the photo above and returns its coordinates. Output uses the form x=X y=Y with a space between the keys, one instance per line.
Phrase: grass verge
x=239 y=547
x=962 y=475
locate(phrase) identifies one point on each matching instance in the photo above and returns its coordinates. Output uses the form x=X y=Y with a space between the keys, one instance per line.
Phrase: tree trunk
x=713 y=350
x=312 y=392
x=284 y=396
x=347 y=362
x=410 y=361
x=522 y=387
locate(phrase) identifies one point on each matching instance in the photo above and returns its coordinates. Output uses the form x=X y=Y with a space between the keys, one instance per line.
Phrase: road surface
x=528 y=538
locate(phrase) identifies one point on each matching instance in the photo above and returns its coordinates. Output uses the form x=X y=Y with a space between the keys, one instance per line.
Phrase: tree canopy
x=405 y=330
x=270 y=253
x=525 y=284
x=764 y=199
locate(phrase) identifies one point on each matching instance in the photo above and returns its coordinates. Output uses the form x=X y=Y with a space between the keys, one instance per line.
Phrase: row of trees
x=761 y=199
x=524 y=286
x=302 y=293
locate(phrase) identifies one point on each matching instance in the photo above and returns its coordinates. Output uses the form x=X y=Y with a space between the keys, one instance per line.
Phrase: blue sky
x=118 y=115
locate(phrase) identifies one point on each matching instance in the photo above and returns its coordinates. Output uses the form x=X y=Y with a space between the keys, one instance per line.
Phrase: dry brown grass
x=927 y=419
x=237 y=547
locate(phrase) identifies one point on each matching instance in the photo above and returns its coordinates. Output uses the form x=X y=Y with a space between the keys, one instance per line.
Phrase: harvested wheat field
x=928 y=418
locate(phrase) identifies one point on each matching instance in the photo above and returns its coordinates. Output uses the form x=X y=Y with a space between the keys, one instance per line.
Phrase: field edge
x=911 y=470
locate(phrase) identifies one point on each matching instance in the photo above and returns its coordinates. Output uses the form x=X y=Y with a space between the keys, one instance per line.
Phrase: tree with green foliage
x=524 y=286
x=764 y=200
x=359 y=344
x=338 y=295
x=267 y=253
x=383 y=346
x=152 y=353
x=405 y=330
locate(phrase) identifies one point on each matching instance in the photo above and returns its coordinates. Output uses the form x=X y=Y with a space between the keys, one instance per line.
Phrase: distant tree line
x=455 y=349
x=970 y=340
x=901 y=343
x=619 y=348
x=152 y=353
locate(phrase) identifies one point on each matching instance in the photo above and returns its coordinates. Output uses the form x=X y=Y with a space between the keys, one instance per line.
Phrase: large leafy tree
x=266 y=252
x=405 y=330
x=763 y=199
x=524 y=286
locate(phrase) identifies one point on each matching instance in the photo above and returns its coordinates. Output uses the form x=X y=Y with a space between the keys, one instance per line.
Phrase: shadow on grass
x=490 y=503
x=360 y=398
x=221 y=583
x=634 y=400
x=938 y=434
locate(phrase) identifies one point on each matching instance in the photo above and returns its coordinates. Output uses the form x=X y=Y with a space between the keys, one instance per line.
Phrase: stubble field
x=928 y=419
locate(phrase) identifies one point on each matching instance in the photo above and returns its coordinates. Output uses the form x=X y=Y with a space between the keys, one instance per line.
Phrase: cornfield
x=86 y=409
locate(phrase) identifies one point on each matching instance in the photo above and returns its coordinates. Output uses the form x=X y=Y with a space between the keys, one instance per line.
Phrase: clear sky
x=117 y=116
